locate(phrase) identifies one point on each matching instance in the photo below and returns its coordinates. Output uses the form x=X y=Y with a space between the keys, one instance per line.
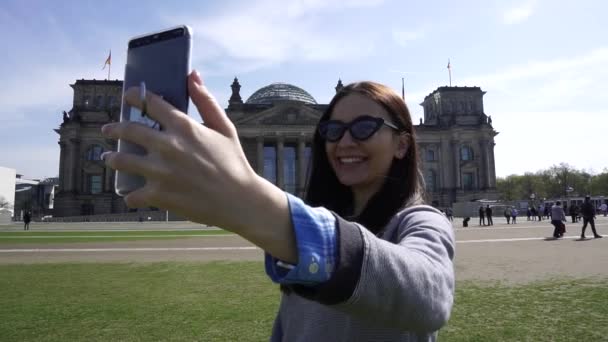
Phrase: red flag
x=108 y=60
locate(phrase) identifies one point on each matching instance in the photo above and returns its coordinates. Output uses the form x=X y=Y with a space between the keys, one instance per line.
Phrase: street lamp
x=569 y=189
x=532 y=198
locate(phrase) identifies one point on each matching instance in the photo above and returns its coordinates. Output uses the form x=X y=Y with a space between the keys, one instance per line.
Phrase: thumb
x=210 y=111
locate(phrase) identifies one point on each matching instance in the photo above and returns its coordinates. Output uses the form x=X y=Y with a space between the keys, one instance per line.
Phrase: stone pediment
x=282 y=115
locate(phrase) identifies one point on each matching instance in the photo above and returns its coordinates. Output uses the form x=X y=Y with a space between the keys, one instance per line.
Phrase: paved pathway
x=509 y=253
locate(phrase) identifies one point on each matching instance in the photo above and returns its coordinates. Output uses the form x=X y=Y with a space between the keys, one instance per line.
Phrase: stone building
x=276 y=125
x=86 y=185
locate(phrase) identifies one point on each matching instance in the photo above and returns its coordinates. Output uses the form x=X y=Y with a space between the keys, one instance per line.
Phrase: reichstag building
x=276 y=125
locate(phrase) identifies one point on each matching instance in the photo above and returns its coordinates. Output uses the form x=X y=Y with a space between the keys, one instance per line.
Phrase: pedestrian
x=588 y=213
x=604 y=209
x=507 y=214
x=514 y=213
x=482 y=215
x=533 y=210
x=27 y=218
x=541 y=210
x=489 y=215
x=573 y=212
x=450 y=213
x=361 y=258
x=558 y=217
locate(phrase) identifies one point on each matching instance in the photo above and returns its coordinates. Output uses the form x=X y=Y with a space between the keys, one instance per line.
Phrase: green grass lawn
x=223 y=301
x=100 y=236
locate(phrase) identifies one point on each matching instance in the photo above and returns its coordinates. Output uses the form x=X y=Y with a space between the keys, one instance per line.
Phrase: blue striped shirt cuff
x=315 y=233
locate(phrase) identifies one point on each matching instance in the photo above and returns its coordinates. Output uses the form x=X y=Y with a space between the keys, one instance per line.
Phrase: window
x=431 y=181
x=466 y=153
x=307 y=159
x=95 y=185
x=289 y=168
x=270 y=163
x=467 y=180
x=86 y=101
x=99 y=101
x=87 y=209
x=94 y=152
x=111 y=101
x=430 y=155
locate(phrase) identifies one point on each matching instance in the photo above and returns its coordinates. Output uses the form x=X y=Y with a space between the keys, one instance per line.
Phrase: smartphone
x=162 y=61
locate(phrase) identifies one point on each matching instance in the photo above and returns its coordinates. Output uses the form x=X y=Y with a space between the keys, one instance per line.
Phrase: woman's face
x=363 y=165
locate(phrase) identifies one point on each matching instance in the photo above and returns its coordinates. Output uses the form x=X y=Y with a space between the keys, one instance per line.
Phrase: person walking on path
x=514 y=215
x=482 y=215
x=557 y=218
x=508 y=214
x=572 y=212
x=540 y=211
x=588 y=212
x=449 y=213
x=27 y=218
x=604 y=209
x=489 y=215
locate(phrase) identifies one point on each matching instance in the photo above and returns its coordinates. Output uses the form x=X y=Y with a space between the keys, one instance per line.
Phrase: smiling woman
x=363 y=219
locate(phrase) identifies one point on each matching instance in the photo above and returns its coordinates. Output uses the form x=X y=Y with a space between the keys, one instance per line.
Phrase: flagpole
x=403 y=89
x=450 y=71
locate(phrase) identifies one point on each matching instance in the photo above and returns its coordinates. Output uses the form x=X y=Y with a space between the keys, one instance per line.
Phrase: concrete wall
x=7 y=190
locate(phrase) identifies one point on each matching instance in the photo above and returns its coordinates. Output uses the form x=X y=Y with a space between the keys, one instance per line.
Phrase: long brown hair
x=403 y=185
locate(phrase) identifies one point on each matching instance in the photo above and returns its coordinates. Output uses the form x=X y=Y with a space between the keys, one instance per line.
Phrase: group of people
x=587 y=211
x=485 y=213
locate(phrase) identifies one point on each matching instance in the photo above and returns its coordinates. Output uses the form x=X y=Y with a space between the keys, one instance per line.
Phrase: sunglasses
x=362 y=128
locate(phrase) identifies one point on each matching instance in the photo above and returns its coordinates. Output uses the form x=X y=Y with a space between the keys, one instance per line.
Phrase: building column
x=457 y=171
x=62 y=158
x=486 y=159
x=491 y=164
x=280 y=162
x=260 y=155
x=76 y=171
x=483 y=168
x=439 y=160
x=301 y=166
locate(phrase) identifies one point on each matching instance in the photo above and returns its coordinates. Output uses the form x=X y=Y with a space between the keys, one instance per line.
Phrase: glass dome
x=280 y=92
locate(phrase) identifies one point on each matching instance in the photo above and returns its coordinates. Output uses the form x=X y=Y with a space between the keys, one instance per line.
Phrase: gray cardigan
x=397 y=286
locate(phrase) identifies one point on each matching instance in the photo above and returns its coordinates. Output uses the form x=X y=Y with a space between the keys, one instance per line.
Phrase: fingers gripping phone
x=162 y=61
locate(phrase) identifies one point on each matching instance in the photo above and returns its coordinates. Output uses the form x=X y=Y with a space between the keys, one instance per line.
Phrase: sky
x=543 y=64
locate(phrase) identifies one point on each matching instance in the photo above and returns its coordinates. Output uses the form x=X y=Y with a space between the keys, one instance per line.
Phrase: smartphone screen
x=162 y=61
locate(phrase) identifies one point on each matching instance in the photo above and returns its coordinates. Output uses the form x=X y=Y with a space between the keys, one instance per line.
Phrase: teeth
x=350 y=160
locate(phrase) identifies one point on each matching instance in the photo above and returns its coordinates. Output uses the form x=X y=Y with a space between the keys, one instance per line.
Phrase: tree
x=5 y=204
x=553 y=183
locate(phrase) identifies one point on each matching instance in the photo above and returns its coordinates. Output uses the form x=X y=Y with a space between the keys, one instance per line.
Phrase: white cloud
x=558 y=84
x=263 y=34
x=518 y=14
x=533 y=140
x=404 y=37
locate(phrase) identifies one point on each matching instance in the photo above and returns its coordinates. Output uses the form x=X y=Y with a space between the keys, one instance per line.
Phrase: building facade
x=86 y=185
x=276 y=126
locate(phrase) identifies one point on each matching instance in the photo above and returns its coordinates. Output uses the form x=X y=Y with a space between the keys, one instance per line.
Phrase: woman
x=362 y=260
x=557 y=218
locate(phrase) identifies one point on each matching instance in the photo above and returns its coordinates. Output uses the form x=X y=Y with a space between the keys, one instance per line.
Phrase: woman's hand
x=201 y=172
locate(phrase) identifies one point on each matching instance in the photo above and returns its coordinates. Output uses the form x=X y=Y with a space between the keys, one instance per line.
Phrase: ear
x=403 y=143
